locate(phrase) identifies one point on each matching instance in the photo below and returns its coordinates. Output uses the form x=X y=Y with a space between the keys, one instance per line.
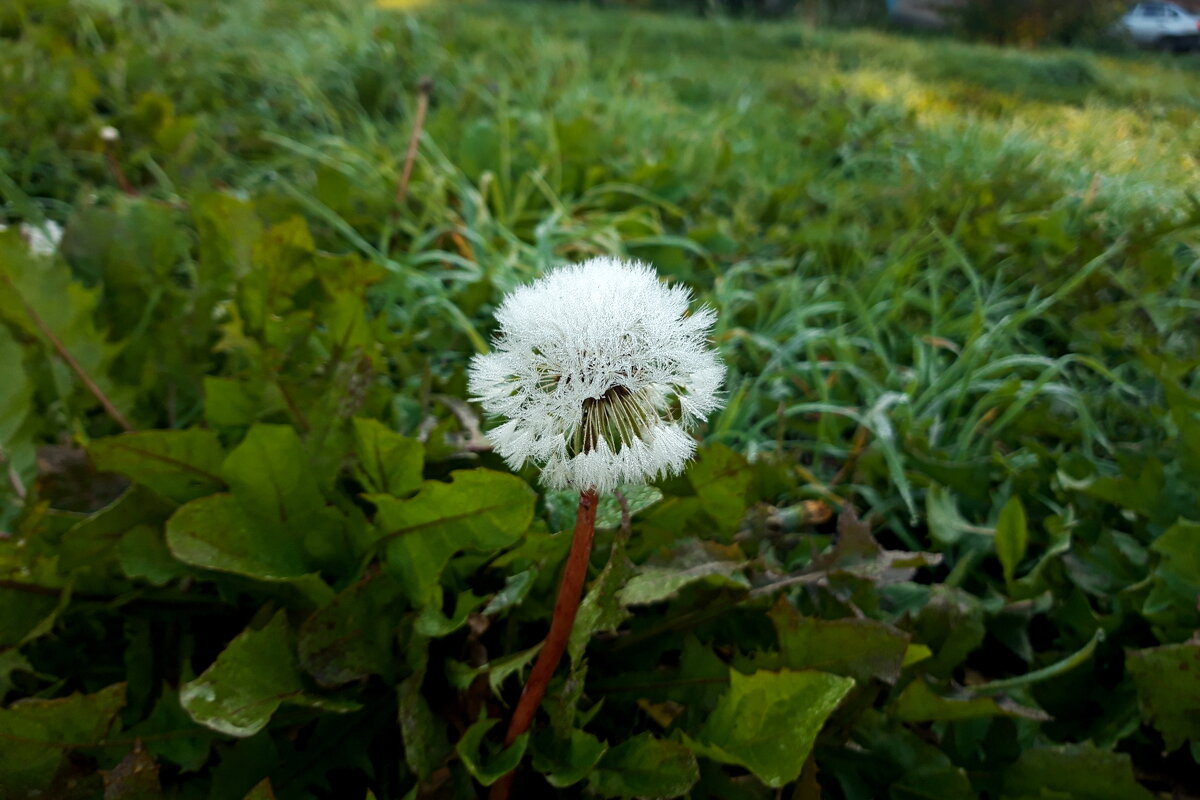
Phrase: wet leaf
x=240 y=691
x=768 y=721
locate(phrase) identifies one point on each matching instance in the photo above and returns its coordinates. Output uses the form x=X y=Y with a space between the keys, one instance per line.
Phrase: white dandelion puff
x=599 y=371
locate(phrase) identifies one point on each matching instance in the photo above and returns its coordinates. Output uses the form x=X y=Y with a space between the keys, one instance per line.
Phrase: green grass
x=948 y=276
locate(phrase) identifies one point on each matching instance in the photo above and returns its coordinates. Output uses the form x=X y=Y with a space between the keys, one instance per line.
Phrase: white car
x=1164 y=25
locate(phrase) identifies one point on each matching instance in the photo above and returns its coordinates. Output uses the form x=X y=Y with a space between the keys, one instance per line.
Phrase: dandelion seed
x=599 y=372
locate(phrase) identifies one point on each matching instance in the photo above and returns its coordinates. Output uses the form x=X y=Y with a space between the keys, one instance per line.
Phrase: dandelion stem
x=565 y=607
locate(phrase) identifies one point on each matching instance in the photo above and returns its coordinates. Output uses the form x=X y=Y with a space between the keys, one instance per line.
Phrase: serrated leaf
x=1012 y=536
x=240 y=691
x=645 y=767
x=388 y=463
x=488 y=768
x=179 y=465
x=768 y=721
x=478 y=510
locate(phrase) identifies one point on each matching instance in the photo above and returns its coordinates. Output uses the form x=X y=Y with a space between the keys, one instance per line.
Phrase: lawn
x=941 y=541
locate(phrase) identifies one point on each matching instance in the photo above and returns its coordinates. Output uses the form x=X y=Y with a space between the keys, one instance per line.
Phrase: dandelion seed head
x=598 y=372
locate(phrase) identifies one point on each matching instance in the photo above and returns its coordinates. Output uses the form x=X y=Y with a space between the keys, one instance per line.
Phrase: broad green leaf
x=488 y=768
x=645 y=767
x=858 y=648
x=721 y=479
x=270 y=475
x=38 y=733
x=352 y=638
x=1012 y=536
x=768 y=721
x=233 y=403
x=919 y=703
x=180 y=465
x=142 y=554
x=1072 y=772
x=388 y=463
x=478 y=510
x=240 y=691
x=1168 y=687
x=653 y=584
x=566 y=757
x=215 y=532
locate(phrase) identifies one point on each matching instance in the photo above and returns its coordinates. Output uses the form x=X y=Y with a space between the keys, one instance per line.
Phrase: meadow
x=942 y=541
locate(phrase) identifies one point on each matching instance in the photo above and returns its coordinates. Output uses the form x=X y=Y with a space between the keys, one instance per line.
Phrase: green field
x=942 y=541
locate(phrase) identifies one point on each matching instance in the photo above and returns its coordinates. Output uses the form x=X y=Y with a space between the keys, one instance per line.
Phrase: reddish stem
x=66 y=356
x=565 y=607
